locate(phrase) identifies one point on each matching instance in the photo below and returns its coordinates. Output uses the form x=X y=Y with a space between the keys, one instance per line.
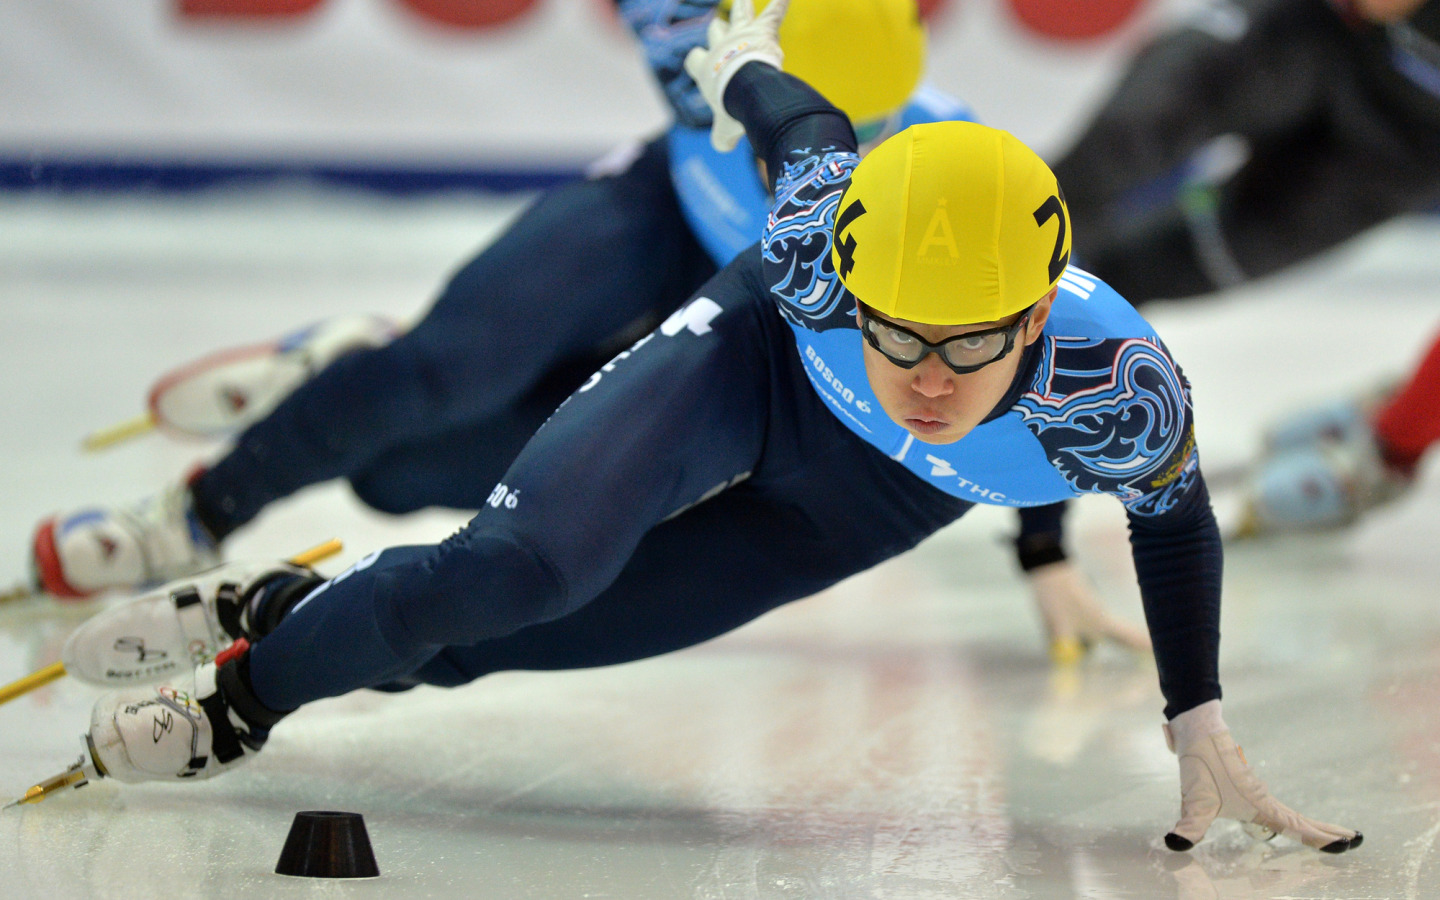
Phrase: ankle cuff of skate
x=233 y=680
x=268 y=601
x=207 y=511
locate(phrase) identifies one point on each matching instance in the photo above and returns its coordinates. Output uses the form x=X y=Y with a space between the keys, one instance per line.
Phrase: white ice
x=901 y=736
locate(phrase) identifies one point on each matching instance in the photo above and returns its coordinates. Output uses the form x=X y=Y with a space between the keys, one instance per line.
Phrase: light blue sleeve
x=721 y=194
x=1109 y=404
x=930 y=104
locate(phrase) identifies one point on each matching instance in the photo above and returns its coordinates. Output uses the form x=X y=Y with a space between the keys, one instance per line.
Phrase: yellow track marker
x=57 y=670
x=123 y=431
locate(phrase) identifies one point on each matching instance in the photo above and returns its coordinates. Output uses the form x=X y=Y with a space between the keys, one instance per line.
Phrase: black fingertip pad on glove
x=1341 y=846
x=1177 y=843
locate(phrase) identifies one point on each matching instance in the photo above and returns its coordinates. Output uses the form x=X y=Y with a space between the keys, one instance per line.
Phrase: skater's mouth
x=926 y=423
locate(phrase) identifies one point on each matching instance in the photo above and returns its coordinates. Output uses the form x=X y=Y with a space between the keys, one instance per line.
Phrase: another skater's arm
x=667 y=30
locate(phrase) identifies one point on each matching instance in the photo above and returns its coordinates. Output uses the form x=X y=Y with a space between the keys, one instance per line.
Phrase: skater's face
x=1387 y=12
x=930 y=399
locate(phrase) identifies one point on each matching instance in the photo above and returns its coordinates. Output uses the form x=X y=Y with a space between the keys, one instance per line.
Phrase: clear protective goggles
x=963 y=353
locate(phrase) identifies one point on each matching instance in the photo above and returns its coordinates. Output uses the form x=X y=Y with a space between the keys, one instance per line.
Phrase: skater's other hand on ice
x=1075 y=619
x=1217 y=782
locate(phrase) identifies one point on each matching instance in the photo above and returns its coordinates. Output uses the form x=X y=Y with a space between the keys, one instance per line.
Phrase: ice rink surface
x=901 y=736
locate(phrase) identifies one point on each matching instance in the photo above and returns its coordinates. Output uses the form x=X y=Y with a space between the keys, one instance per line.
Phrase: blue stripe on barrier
x=107 y=175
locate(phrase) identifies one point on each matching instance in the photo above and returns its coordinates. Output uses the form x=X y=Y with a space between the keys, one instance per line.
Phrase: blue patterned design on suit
x=1114 y=417
x=796 y=248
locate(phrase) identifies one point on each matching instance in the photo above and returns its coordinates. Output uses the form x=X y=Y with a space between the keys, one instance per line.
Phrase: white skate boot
x=198 y=727
x=183 y=625
x=92 y=550
x=1340 y=421
x=1320 y=468
x=228 y=390
x=1325 y=485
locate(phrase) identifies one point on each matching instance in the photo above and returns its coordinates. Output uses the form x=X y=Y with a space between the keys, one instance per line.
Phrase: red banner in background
x=1062 y=19
x=1075 y=20
x=469 y=15
x=244 y=9
x=486 y=85
x=930 y=8
x=464 y=14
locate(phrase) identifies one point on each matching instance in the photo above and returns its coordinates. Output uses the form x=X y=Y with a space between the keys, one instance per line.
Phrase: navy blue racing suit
x=734 y=460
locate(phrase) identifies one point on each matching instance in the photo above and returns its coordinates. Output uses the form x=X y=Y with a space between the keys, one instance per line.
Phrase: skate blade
x=30 y=682
x=21 y=591
x=118 y=433
x=79 y=774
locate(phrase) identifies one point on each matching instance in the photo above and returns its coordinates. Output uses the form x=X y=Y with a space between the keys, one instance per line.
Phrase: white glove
x=732 y=44
x=1216 y=781
x=1075 y=620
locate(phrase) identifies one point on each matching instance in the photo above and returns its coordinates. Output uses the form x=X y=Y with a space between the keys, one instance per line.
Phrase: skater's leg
x=458 y=469
x=575 y=273
x=1409 y=423
x=1294 y=199
x=682 y=413
x=1252 y=72
x=822 y=505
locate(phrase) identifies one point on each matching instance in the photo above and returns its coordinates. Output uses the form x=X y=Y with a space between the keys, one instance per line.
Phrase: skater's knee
x=482 y=587
x=383 y=492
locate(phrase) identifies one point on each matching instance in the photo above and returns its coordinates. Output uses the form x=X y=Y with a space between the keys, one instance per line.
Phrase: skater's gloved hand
x=1075 y=619
x=180 y=625
x=745 y=38
x=1216 y=782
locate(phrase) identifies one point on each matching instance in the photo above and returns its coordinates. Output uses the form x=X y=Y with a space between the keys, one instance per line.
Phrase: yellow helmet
x=951 y=223
x=864 y=56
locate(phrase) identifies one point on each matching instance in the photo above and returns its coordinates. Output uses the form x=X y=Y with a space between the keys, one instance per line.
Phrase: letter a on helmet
x=951 y=223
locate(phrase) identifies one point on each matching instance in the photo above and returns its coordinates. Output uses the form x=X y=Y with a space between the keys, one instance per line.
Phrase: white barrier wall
x=470 y=84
